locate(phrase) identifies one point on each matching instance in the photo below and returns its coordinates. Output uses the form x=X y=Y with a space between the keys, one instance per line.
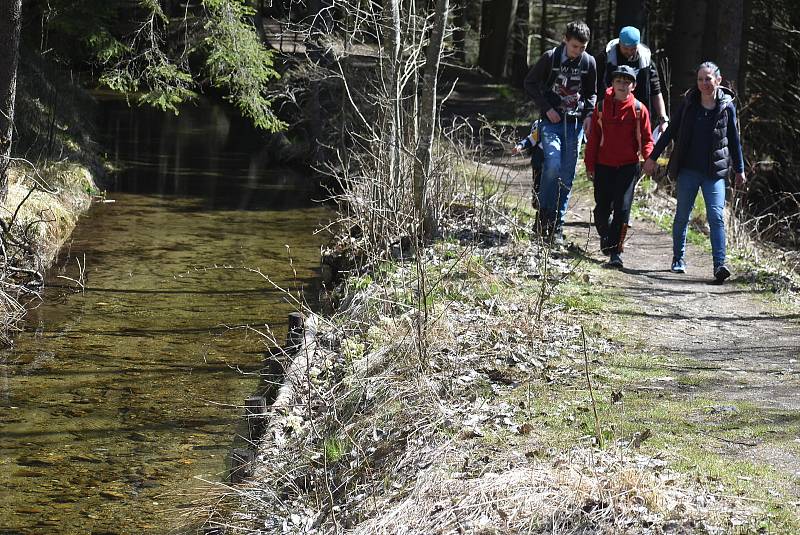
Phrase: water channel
x=122 y=397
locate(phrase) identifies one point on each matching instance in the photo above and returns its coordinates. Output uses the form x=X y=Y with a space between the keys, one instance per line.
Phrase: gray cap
x=624 y=71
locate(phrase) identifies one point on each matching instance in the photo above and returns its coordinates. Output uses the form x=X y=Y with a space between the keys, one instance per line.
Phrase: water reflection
x=226 y=164
x=120 y=395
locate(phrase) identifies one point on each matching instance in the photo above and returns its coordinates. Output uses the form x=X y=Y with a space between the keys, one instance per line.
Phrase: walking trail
x=749 y=343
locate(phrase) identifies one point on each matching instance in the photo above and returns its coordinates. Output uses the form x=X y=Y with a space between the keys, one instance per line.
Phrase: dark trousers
x=613 y=196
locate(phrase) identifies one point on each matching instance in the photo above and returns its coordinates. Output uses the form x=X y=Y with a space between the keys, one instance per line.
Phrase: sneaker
x=721 y=273
x=678 y=265
x=616 y=260
x=558 y=235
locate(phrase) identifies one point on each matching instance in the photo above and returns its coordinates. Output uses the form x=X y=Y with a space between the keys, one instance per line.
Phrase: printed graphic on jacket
x=567 y=86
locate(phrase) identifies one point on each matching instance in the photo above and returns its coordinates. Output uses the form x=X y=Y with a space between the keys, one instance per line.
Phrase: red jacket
x=618 y=134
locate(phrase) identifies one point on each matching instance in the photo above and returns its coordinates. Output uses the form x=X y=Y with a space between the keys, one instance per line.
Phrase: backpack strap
x=555 y=66
x=637 y=114
x=599 y=108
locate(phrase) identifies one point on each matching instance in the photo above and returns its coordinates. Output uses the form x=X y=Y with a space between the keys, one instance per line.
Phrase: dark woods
x=755 y=42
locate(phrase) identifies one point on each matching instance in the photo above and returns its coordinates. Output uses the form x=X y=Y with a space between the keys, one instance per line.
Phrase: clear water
x=123 y=396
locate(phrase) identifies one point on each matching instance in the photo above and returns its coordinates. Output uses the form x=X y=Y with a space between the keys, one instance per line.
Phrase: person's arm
x=601 y=61
x=522 y=145
x=592 y=146
x=672 y=128
x=669 y=133
x=659 y=110
x=589 y=94
x=735 y=147
x=536 y=78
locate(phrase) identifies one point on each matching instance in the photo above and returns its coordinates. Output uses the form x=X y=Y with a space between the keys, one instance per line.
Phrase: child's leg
x=603 y=198
x=624 y=184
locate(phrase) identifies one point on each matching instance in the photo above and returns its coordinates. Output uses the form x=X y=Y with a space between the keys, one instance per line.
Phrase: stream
x=120 y=401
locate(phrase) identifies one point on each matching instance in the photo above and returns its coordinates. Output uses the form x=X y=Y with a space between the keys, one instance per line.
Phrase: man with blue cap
x=629 y=50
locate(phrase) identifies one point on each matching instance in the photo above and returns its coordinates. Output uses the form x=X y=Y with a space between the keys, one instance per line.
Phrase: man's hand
x=650 y=167
x=663 y=126
x=587 y=126
x=553 y=116
x=741 y=180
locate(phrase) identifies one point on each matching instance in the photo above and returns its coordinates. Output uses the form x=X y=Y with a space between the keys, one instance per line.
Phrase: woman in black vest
x=706 y=140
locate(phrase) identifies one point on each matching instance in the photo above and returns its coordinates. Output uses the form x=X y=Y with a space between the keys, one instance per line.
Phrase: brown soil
x=749 y=344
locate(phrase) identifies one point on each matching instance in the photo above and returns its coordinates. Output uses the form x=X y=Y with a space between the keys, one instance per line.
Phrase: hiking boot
x=605 y=248
x=721 y=273
x=616 y=260
x=678 y=265
x=558 y=235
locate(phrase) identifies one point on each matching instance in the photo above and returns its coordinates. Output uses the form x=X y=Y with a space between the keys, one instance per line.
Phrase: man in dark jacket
x=563 y=85
x=629 y=50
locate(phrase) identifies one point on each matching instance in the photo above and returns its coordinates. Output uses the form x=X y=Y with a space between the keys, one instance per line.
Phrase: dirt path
x=752 y=343
x=748 y=346
x=753 y=346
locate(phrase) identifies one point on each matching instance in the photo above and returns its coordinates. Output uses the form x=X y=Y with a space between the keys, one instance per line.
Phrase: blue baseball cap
x=629 y=36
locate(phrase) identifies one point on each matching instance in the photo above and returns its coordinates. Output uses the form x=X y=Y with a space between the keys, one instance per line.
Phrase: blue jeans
x=714 y=196
x=561 y=143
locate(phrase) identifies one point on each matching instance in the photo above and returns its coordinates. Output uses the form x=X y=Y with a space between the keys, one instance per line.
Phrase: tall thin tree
x=595 y=44
x=427 y=116
x=686 y=44
x=497 y=22
x=723 y=36
x=10 y=22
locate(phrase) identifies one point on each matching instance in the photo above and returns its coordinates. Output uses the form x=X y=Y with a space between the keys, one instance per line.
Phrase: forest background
x=167 y=52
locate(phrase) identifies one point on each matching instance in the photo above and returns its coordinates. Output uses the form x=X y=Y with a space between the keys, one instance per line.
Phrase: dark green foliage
x=769 y=103
x=237 y=61
x=160 y=54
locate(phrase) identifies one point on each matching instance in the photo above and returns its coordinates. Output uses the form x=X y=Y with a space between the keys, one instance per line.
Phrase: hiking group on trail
x=623 y=140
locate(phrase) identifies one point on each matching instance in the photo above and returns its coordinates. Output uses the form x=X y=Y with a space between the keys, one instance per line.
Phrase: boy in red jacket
x=618 y=140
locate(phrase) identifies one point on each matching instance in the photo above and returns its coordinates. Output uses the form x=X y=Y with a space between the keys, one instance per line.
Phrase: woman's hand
x=553 y=116
x=741 y=180
x=649 y=167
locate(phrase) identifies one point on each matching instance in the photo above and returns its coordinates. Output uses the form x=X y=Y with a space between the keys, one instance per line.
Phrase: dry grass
x=40 y=211
x=391 y=433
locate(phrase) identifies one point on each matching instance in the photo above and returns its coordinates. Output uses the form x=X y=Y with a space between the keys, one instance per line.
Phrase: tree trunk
x=497 y=20
x=741 y=86
x=391 y=66
x=686 y=45
x=630 y=13
x=595 y=43
x=10 y=21
x=427 y=118
x=723 y=36
x=460 y=30
x=543 y=25
x=519 y=51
